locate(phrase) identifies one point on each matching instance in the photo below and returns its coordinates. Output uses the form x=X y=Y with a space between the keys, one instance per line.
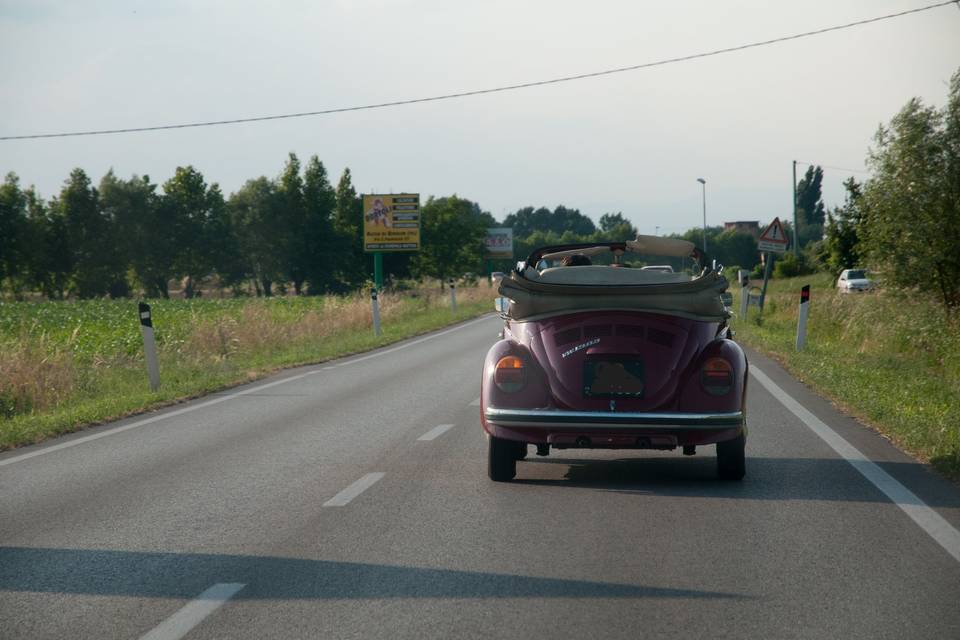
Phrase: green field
x=891 y=359
x=66 y=365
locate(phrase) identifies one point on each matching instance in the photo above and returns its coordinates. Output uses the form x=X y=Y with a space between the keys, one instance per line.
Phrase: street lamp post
x=704 y=183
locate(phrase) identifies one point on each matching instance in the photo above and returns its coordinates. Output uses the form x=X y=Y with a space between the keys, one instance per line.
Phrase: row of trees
x=296 y=230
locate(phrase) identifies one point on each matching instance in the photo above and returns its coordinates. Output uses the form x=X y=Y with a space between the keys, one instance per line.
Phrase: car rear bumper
x=613 y=429
x=604 y=420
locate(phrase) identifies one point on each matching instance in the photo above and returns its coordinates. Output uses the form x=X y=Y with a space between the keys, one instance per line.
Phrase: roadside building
x=744 y=226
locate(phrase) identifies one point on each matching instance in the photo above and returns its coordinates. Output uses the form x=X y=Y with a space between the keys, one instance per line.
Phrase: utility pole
x=704 y=183
x=796 y=229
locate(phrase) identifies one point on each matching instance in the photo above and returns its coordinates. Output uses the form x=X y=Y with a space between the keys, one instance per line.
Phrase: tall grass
x=64 y=365
x=890 y=358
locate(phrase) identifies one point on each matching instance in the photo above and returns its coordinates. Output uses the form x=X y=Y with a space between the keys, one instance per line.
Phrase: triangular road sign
x=773 y=238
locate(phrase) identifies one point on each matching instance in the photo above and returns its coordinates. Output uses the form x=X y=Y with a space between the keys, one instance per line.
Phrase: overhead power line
x=477 y=92
x=823 y=166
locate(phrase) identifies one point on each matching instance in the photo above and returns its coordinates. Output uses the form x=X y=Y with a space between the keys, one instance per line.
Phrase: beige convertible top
x=555 y=291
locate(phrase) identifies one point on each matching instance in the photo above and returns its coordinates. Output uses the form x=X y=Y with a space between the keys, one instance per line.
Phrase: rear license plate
x=613 y=378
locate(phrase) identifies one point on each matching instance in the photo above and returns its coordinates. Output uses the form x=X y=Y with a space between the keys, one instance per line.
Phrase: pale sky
x=633 y=142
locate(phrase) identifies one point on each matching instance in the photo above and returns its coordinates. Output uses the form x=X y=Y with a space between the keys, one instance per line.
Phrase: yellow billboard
x=391 y=222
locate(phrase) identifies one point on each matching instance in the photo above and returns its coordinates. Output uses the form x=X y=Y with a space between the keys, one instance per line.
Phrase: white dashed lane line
x=475 y=403
x=435 y=433
x=179 y=624
x=344 y=497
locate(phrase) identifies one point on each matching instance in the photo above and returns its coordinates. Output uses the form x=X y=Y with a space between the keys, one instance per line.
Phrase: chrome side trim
x=601 y=419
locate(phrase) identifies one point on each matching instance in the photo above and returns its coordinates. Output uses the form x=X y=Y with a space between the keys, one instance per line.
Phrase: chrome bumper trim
x=608 y=420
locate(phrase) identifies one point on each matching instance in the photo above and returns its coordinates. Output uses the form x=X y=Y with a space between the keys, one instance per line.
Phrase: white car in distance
x=854 y=281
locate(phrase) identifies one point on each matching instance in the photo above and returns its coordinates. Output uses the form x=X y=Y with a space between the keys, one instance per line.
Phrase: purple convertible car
x=604 y=356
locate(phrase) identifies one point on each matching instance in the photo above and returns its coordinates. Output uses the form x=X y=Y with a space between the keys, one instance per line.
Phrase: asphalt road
x=350 y=500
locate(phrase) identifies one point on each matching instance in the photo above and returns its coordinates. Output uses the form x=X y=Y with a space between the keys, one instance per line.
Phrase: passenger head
x=576 y=260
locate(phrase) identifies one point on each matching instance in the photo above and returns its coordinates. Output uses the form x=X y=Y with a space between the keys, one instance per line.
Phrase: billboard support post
x=378 y=270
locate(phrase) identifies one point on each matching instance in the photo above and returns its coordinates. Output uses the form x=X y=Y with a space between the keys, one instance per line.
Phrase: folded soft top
x=555 y=291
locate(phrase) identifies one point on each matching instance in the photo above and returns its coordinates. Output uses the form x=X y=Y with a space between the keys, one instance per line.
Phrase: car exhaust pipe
x=583 y=442
x=543 y=449
x=643 y=443
x=689 y=450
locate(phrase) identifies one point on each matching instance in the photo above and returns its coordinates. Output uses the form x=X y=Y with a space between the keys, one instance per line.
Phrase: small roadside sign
x=499 y=242
x=774 y=238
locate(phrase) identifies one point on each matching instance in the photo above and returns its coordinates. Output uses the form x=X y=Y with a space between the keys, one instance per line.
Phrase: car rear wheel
x=501 y=459
x=731 y=458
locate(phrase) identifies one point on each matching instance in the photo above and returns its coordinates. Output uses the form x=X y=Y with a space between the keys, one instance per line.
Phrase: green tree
x=253 y=216
x=734 y=248
x=98 y=266
x=349 y=269
x=13 y=216
x=223 y=244
x=48 y=262
x=142 y=230
x=840 y=243
x=189 y=205
x=323 y=248
x=292 y=216
x=615 y=227
x=527 y=220
x=810 y=210
x=911 y=205
x=452 y=230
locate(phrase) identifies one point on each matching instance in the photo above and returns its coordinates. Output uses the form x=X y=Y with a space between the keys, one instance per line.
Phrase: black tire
x=521 y=451
x=731 y=458
x=501 y=459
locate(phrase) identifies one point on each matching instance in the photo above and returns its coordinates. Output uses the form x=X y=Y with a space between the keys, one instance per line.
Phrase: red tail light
x=716 y=376
x=510 y=374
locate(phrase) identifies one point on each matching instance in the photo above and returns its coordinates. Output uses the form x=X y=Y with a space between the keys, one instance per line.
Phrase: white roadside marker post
x=453 y=296
x=744 y=293
x=149 y=346
x=376 y=312
x=802 y=319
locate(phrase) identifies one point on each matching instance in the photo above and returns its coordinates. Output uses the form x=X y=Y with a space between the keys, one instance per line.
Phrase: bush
x=791 y=266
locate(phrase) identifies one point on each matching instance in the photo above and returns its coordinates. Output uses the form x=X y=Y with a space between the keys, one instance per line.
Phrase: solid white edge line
x=926 y=517
x=435 y=433
x=193 y=613
x=344 y=497
x=218 y=400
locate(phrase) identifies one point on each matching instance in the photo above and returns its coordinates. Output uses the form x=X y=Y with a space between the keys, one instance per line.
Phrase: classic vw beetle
x=604 y=356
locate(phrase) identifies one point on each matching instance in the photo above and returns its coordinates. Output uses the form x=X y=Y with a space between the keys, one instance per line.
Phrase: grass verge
x=68 y=365
x=890 y=359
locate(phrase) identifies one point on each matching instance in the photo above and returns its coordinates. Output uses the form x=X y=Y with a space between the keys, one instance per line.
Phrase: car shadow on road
x=185 y=575
x=832 y=479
